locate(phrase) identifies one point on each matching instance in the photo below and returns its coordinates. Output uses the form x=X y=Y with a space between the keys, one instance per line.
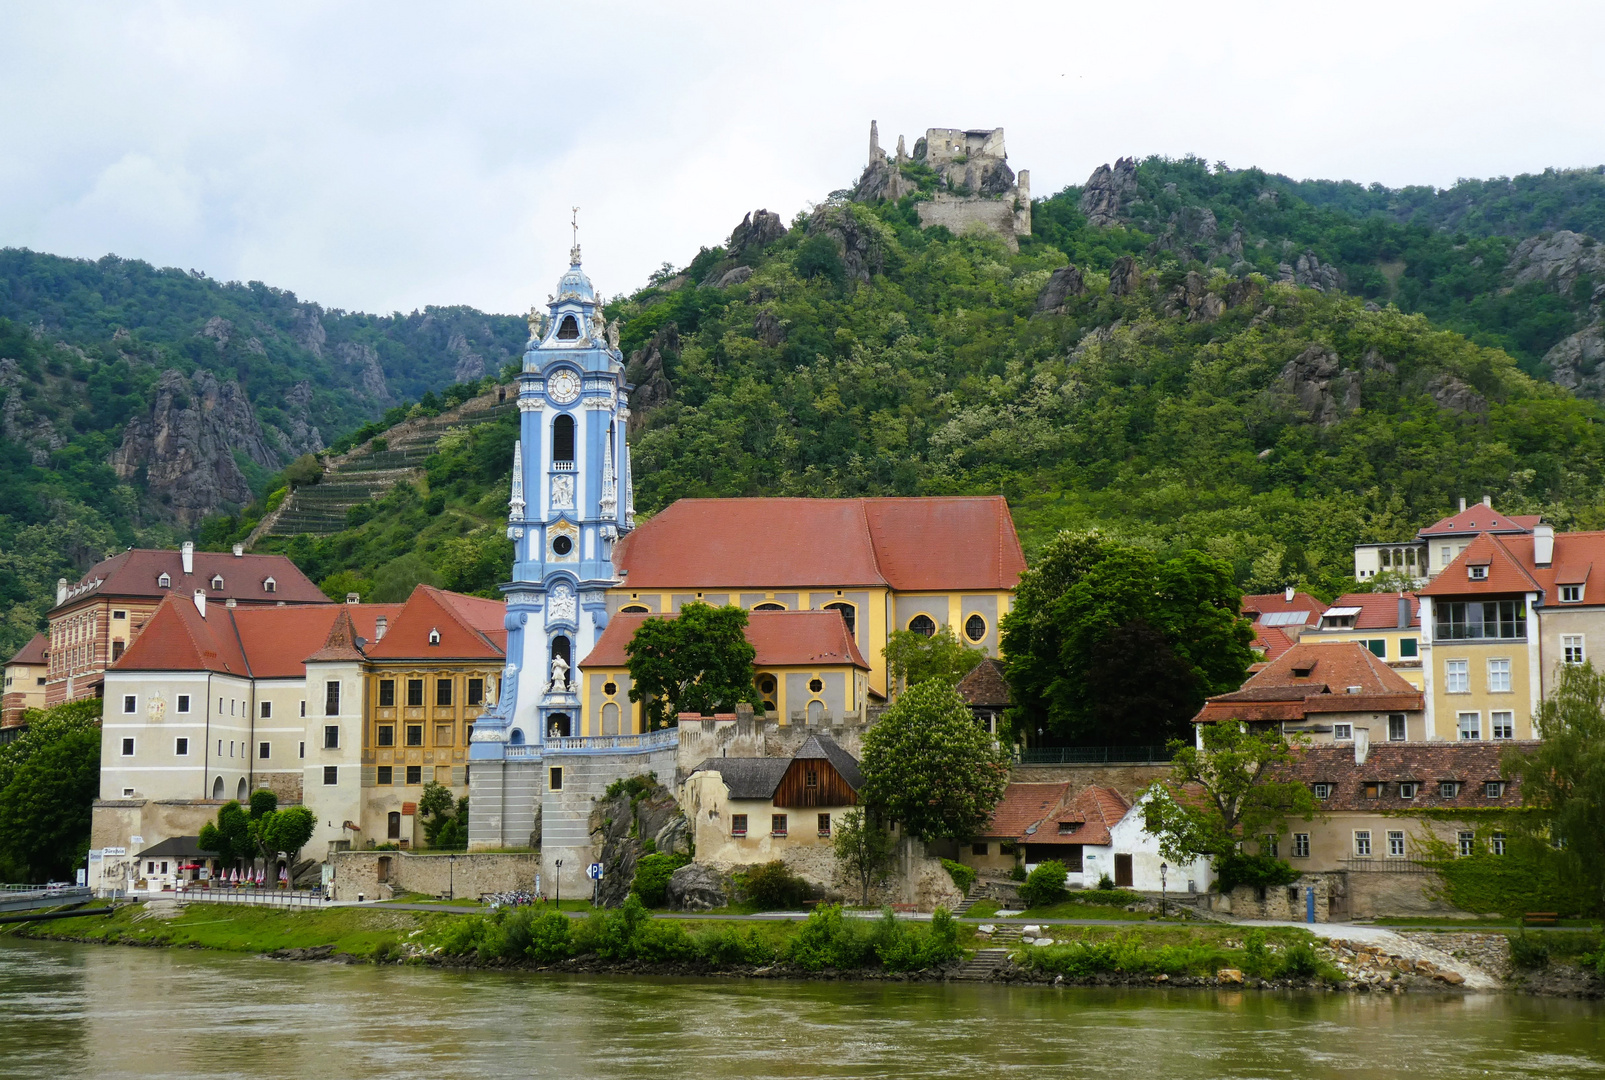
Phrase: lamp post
x=559 y=864
x=451 y=879
x=1162 y=868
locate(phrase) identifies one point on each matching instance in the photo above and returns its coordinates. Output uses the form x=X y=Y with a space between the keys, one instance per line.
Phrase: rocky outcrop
x=860 y=248
x=1125 y=276
x=698 y=887
x=1455 y=396
x=645 y=370
x=1309 y=272
x=298 y=436
x=1189 y=227
x=308 y=331
x=734 y=276
x=185 y=446
x=1192 y=300
x=1576 y=362
x=1107 y=189
x=1315 y=381
x=619 y=824
x=365 y=358
x=22 y=424
x=1558 y=259
x=757 y=231
x=1064 y=283
x=766 y=325
x=470 y=365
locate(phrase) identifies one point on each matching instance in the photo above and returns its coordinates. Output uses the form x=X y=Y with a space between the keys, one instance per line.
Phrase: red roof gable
x=35 y=652
x=935 y=544
x=1479 y=519
x=177 y=638
x=780 y=638
x=1022 y=806
x=1264 y=603
x=137 y=573
x=471 y=628
x=985 y=684
x=1506 y=572
x=1315 y=677
x=1270 y=641
x=1380 y=611
x=1092 y=813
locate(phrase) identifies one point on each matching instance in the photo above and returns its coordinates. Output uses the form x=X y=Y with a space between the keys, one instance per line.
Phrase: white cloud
x=389 y=155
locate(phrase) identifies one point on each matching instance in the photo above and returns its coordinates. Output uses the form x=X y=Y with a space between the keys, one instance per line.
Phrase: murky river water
x=69 y=1011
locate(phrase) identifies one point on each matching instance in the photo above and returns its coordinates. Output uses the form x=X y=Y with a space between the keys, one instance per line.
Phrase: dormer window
x=269 y=585
x=1477 y=573
x=1571 y=594
x=568 y=329
x=217 y=581
x=434 y=636
x=164 y=582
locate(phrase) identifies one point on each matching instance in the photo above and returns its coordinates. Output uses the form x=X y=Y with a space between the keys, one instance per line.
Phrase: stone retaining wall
x=469 y=876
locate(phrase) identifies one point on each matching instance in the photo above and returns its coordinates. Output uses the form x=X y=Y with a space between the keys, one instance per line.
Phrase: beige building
x=25 y=677
x=1432 y=550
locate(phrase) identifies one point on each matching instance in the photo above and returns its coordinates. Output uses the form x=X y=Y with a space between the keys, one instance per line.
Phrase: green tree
x=229 y=837
x=440 y=811
x=1233 y=790
x=1563 y=780
x=930 y=767
x=699 y=661
x=49 y=779
x=285 y=831
x=912 y=658
x=863 y=849
x=1107 y=643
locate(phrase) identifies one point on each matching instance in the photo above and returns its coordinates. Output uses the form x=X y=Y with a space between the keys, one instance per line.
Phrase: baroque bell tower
x=570 y=503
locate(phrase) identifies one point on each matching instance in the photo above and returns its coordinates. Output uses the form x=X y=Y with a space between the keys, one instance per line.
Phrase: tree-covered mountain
x=136 y=400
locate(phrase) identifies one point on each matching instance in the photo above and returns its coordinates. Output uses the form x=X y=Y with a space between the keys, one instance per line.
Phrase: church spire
x=609 y=504
x=515 y=505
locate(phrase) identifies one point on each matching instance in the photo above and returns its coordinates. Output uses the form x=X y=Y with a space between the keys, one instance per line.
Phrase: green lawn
x=1070 y=909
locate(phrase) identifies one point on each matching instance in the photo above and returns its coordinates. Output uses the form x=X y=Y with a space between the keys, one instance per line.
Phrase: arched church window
x=766 y=685
x=563 y=438
x=240 y=790
x=610 y=719
x=568 y=329
x=975 y=628
x=923 y=625
x=770 y=607
x=849 y=616
x=560 y=647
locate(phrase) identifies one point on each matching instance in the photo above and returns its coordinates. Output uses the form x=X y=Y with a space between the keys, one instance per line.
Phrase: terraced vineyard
x=365 y=473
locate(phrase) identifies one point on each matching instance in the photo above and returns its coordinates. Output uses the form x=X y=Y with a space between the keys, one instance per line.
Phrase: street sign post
x=594 y=872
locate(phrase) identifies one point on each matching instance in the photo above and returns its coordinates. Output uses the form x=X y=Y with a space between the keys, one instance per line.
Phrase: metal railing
x=1095 y=755
x=1387 y=866
x=261 y=897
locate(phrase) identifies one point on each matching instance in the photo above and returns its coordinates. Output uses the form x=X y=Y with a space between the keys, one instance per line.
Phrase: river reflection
x=70 y=1011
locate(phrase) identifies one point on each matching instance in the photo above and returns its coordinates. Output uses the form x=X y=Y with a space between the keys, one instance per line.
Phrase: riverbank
x=822 y=946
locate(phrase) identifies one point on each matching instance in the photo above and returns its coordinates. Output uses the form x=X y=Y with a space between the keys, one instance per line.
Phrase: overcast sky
x=384 y=156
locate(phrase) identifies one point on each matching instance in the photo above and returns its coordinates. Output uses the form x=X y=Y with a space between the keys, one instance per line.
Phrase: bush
x=1264 y=871
x=550 y=937
x=1109 y=897
x=464 y=935
x=652 y=875
x=1300 y=961
x=660 y=941
x=1529 y=951
x=963 y=876
x=619 y=929
x=1017 y=874
x=773 y=885
x=1106 y=883
x=827 y=940
x=726 y=946
x=1045 y=886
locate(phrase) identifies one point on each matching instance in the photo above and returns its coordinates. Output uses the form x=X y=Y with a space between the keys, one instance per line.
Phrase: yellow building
x=25 y=676
x=1388 y=624
x=889 y=564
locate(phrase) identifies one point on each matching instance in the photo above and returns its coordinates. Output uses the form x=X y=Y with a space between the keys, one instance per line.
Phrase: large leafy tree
x=1234 y=789
x=929 y=766
x=699 y=661
x=912 y=658
x=864 y=849
x=1108 y=643
x=445 y=819
x=1563 y=779
x=49 y=779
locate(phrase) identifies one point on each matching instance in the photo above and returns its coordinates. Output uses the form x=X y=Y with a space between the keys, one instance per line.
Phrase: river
x=70 y=1011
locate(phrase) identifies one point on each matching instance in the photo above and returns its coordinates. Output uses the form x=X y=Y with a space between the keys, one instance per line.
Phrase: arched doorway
x=240 y=792
x=393 y=825
x=217 y=789
x=610 y=719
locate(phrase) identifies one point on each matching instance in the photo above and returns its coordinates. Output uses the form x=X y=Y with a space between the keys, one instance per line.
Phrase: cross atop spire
x=574 y=252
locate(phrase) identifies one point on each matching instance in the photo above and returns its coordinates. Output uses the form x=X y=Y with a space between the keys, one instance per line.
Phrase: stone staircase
x=977 y=892
x=982 y=966
x=364 y=473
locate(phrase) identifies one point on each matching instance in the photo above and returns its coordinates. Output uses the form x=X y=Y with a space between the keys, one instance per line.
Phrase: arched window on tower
x=563 y=438
x=568 y=329
x=560 y=647
x=923 y=625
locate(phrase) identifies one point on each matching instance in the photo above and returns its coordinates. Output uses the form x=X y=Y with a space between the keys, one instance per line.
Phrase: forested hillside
x=1165 y=391
x=133 y=401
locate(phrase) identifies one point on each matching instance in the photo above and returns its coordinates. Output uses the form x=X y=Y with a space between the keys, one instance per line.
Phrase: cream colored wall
x=155 y=770
x=334 y=804
x=1332 y=836
x=1556 y=619
x=1447 y=706
x=1407 y=668
x=706 y=803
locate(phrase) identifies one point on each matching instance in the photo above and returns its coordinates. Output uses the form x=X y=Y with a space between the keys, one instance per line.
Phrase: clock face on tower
x=563 y=386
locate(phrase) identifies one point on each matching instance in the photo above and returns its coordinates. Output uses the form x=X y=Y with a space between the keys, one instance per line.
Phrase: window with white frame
x=1448 y=789
x=128 y=703
x=1321 y=791
x=1493 y=789
x=1499 y=676
x=1362 y=843
x=1396 y=728
x=1470 y=726
x=128 y=748
x=267 y=710
x=1407 y=789
x=181 y=748
x=1571 y=648
x=1301 y=845
x=1571 y=594
x=1341 y=732
x=1468 y=844
x=1497 y=843
x=183 y=703
x=1395 y=845
x=1457 y=676
x=1503 y=724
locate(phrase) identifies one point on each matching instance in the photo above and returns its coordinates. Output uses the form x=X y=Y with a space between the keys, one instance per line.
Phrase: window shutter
x=370 y=775
x=459 y=775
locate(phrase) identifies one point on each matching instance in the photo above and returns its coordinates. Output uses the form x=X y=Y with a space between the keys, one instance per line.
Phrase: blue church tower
x=570 y=503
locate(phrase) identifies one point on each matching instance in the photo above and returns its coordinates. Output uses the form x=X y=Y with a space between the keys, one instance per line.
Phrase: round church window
x=610 y=688
x=815 y=685
x=975 y=628
x=562 y=545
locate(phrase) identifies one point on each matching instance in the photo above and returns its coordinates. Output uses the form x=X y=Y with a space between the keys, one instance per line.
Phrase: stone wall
x=1280 y=903
x=1373 y=894
x=959 y=214
x=1129 y=780
x=743 y=735
x=468 y=876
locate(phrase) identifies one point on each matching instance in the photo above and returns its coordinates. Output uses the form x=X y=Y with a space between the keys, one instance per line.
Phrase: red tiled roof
x=1023 y=805
x=178 y=638
x=340 y=643
x=1380 y=611
x=780 y=638
x=1095 y=810
x=935 y=543
x=1479 y=519
x=1470 y=764
x=1271 y=641
x=1264 y=603
x=1506 y=572
x=985 y=685
x=470 y=628
x=1279 y=692
x=33 y=652
x=137 y=572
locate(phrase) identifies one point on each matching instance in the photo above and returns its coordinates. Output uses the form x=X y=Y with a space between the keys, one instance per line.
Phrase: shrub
x=652 y=875
x=942 y=941
x=663 y=941
x=550 y=937
x=386 y=951
x=827 y=940
x=1017 y=874
x=726 y=946
x=1529 y=951
x=773 y=885
x=963 y=876
x=619 y=929
x=1106 y=883
x=463 y=935
x=1110 y=897
x=1264 y=871
x=1045 y=886
x=1300 y=961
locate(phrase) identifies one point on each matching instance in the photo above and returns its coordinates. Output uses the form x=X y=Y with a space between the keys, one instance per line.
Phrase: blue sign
x=594 y=871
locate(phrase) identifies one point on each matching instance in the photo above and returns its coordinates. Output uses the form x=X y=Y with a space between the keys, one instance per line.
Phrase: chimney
x=61 y=591
x=1543 y=544
x=239 y=550
x=200 y=601
x=229 y=602
x=1287 y=594
x=1488 y=500
x=380 y=625
x=1362 y=744
x=353 y=598
x=187 y=553
x=1404 y=610
x=1462 y=504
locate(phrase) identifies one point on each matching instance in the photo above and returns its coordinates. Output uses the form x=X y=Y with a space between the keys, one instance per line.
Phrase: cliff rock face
x=1065 y=283
x=299 y=436
x=1455 y=396
x=860 y=248
x=1106 y=189
x=618 y=827
x=1576 y=362
x=1311 y=273
x=1315 y=381
x=645 y=370
x=1125 y=276
x=470 y=365
x=185 y=446
x=365 y=358
x=1193 y=300
x=21 y=424
x=757 y=231
x=1558 y=260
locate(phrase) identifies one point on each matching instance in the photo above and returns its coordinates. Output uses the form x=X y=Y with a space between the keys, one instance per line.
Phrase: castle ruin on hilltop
x=964 y=176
